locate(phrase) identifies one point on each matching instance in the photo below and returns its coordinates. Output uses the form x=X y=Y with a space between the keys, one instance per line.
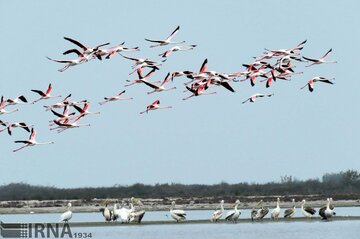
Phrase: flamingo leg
x=27 y=145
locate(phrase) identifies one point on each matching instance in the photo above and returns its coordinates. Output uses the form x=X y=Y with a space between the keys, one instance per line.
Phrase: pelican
x=290 y=212
x=135 y=215
x=276 y=212
x=307 y=211
x=218 y=213
x=327 y=211
x=107 y=213
x=66 y=216
x=177 y=215
x=123 y=213
x=233 y=215
x=260 y=213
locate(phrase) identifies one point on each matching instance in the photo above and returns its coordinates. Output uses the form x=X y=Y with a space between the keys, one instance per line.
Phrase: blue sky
x=205 y=139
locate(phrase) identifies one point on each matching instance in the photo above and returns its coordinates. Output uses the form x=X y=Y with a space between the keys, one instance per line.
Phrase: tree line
x=344 y=183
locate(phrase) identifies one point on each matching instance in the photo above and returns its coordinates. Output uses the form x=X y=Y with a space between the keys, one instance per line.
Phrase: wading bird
x=307 y=211
x=66 y=216
x=45 y=95
x=2 y=107
x=255 y=96
x=176 y=214
x=290 y=212
x=155 y=106
x=276 y=212
x=115 y=98
x=177 y=48
x=311 y=82
x=218 y=213
x=31 y=141
x=158 y=88
x=167 y=40
x=233 y=215
x=320 y=60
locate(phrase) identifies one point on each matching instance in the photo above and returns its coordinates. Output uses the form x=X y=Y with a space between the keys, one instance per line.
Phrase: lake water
x=300 y=229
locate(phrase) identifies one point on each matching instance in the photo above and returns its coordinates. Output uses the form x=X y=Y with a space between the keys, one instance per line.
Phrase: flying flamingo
x=255 y=96
x=160 y=87
x=115 y=98
x=46 y=95
x=139 y=61
x=60 y=104
x=167 y=40
x=62 y=126
x=289 y=51
x=320 y=60
x=311 y=82
x=2 y=107
x=81 y=59
x=31 y=141
x=86 y=50
x=18 y=100
x=113 y=50
x=155 y=106
x=177 y=48
x=84 y=111
x=199 y=90
x=62 y=117
x=139 y=72
x=9 y=126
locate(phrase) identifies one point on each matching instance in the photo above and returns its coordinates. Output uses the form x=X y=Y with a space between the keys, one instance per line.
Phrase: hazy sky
x=205 y=139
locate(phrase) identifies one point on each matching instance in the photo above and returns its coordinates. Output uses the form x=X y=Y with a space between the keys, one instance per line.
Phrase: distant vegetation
x=345 y=183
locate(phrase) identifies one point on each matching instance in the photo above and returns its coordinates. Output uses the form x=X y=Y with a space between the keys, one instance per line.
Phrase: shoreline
x=57 y=206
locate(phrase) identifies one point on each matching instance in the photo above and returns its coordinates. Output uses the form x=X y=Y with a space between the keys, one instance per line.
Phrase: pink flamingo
x=10 y=126
x=31 y=141
x=289 y=51
x=167 y=40
x=45 y=95
x=311 y=82
x=320 y=60
x=141 y=77
x=18 y=100
x=155 y=106
x=84 y=111
x=60 y=104
x=81 y=59
x=62 y=117
x=113 y=50
x=115 y=98
x=86 y=50
x=159 y=88
x=2 y=107
x=62 y=126
x=255 y=96
x=199 y=89
x=177 y=48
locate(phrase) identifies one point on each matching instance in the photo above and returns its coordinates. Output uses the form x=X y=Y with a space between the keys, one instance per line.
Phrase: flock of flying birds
x=272 y=65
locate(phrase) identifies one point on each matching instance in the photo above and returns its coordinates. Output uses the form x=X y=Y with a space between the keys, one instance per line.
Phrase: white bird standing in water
x=176 y=214
x=290 y=212
x=307 y=211
x=66 y=216
x=276 y=212
x=218 y=213
x=233 y=215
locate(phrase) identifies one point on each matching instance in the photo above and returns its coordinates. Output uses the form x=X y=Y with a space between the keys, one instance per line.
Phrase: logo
x=39 y=230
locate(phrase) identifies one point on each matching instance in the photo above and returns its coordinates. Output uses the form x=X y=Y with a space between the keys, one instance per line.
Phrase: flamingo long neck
x=222 y=207
x=277 y=204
